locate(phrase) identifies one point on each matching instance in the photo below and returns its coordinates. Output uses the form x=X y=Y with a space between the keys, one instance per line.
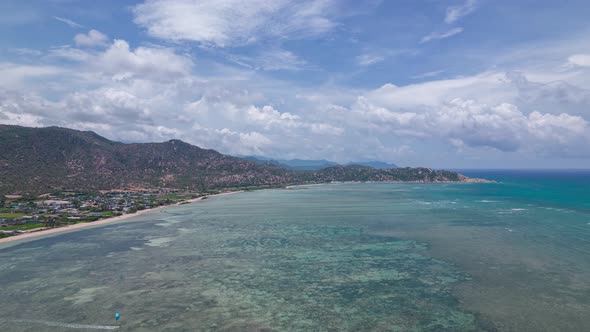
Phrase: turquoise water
x=511 y=256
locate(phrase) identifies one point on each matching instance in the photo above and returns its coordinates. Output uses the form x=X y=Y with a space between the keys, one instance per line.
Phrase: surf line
x=67 y=325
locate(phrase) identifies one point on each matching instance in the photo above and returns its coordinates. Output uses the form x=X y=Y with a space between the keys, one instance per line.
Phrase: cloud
x=22 y=109
x=110 y=105
x=243 y=143
x=116 y=112
x=126 y=93
x=555 y=94
x=503 y=111
x=121 y=113
x=226 y=23
x=69 y=53
x=369 y=59
x=270 y=59
x=489 y=88
x=427 y=74
x=268 y=116
x=92 y=38
x=17 y=75
x=469 y=123
x=216 y=112
x=83 y=69
x=115 y=63
x=580 y=60
x=156 y=63
x=69 y=22
x=486 y=111
x=230 y=141
x=26 y=51
x=454 y=13
x=436 y=35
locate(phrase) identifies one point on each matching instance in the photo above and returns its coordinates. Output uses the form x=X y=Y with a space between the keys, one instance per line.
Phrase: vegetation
x=22 y=227
x=11 y=215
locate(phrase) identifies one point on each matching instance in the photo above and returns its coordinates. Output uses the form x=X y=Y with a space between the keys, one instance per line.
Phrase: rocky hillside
x=39 y=160
x=45 y=159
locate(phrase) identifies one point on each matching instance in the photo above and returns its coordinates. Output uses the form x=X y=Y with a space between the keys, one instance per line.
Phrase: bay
x=509 y=256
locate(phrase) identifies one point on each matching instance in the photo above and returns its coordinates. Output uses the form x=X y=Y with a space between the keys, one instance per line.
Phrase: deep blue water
x=567 y=188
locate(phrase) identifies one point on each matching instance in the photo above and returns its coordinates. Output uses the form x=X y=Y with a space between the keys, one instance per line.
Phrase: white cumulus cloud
x=92 y=38
x=581 y=60
x=493 y=110
x=120 y=61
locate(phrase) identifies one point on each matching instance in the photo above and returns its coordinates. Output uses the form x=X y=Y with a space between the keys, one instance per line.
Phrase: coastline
x=70 y=228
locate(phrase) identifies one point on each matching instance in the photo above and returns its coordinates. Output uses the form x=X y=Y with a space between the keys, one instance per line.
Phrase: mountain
x=293 y=164
x=264 y=161
x=313 y=165
x=306 y=165
x=39 y=160
x=53 y=158
x=375 y=164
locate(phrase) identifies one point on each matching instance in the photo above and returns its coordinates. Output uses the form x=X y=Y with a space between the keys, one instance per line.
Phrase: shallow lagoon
x=348 y=257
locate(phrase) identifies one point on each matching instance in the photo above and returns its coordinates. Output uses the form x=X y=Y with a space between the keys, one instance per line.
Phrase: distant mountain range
x=313 y=165
x=40 y=160
x=375 y=164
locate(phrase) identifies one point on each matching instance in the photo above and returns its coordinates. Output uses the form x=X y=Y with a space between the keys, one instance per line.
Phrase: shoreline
x=71 y=228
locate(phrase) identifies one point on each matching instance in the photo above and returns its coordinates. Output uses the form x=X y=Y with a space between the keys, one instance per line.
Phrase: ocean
x=507 y=256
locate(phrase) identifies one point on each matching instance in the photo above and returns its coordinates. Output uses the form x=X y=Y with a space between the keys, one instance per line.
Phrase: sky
x=437 y=83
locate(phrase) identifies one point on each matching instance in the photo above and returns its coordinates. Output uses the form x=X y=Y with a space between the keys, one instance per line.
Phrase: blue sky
x=457 y=83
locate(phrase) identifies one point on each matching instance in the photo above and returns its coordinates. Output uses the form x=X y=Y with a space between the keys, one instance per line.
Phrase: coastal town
x=20 y=214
